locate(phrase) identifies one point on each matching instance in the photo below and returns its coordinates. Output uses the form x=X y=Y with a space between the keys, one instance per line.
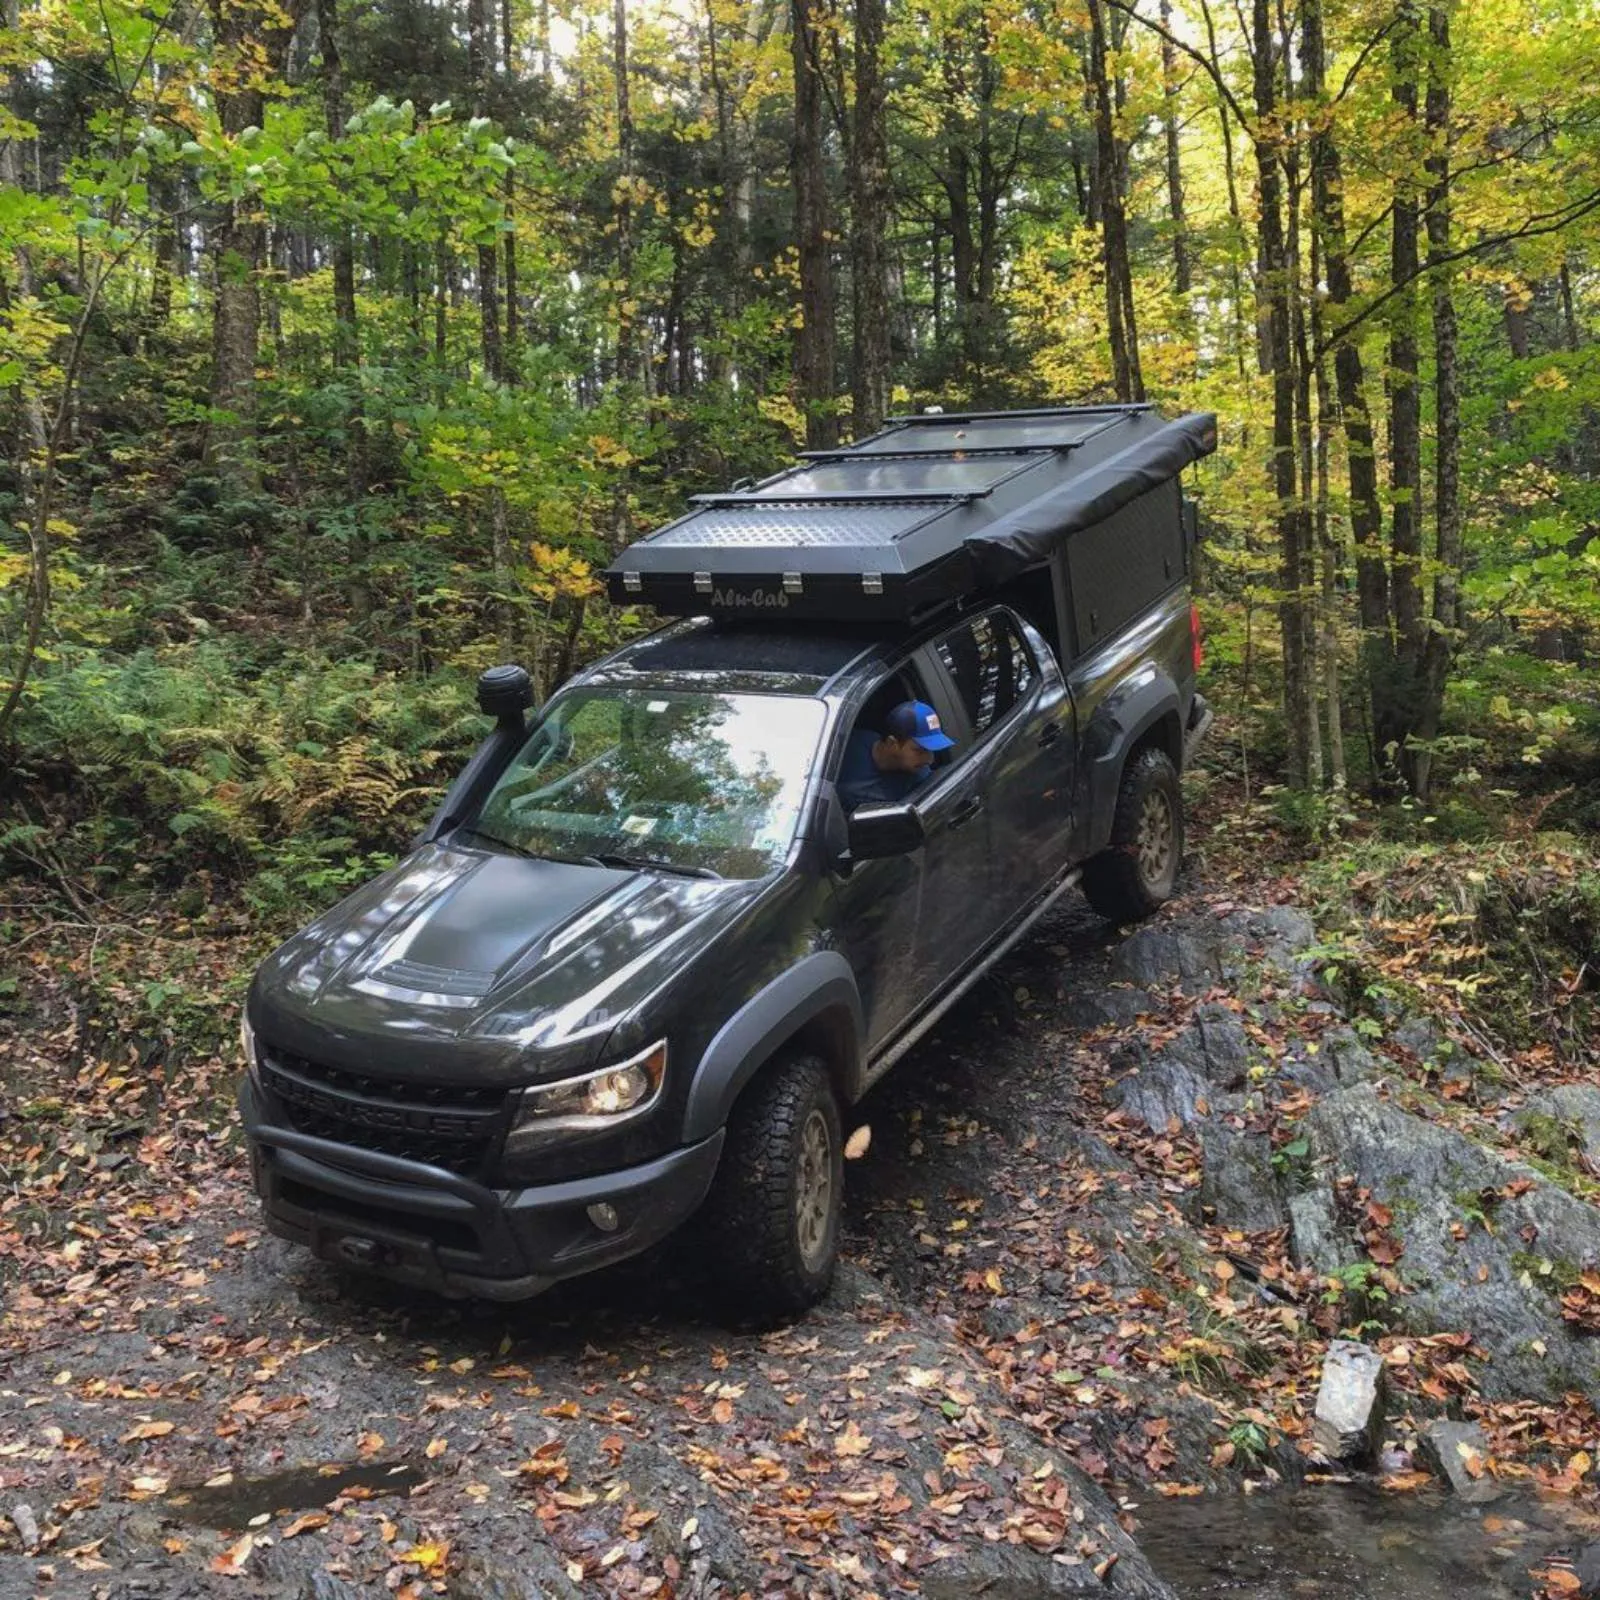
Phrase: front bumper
x=431 y=1228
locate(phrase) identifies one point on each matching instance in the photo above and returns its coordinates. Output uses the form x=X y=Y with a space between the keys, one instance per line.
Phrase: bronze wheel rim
x=1156 y=839
x=813 y=1191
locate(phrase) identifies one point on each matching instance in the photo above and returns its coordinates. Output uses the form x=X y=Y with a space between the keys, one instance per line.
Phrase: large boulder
x=1488 y=1244
x=1561 y=1119
x=1239 y=1186
x=1214 y=1044
x=1164 y=1091
x=1196 y=955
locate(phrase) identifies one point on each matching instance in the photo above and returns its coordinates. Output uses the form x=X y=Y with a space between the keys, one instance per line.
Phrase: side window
x=991 y=666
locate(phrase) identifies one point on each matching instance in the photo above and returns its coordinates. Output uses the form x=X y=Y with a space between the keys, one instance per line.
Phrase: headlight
x=247 y=1040
x=596 y=1100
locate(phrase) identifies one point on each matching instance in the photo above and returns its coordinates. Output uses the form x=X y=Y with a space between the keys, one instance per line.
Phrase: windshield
x=704 y=783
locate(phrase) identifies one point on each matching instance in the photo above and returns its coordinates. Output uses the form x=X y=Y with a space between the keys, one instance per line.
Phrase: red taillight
x=1196 y=638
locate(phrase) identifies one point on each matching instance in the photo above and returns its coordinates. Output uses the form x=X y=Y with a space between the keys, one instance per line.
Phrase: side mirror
x=877 y=831
x=504 y=693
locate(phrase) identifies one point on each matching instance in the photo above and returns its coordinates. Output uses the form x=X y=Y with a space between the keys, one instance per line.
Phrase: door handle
x=966 y=811
x=1049 y=733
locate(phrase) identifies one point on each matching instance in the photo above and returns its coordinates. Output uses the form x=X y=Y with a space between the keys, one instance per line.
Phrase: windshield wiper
x=649 y=864
x=531 y=855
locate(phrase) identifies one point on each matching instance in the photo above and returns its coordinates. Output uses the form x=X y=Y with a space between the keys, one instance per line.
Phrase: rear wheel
x=772 y=1218
x=1137 y=873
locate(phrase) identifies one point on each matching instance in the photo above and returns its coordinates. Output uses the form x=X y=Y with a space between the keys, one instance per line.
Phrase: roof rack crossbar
x=854 y=452
x=943 y=497
x=934 y=418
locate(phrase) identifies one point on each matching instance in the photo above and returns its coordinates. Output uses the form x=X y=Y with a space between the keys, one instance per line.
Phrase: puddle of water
x=237 y=1502
x=1349 y=1542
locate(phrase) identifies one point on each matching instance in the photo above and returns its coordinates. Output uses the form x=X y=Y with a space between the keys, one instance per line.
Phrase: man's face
x=905 y=755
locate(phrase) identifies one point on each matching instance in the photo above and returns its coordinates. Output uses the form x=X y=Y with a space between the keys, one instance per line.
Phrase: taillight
x=1196 y=638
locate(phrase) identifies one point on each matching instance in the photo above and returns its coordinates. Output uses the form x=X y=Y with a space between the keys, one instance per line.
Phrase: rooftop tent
x=932 y=508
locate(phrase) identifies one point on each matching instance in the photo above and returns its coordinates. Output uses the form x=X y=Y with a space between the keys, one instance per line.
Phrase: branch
x=1361 y=60
x=1209 y=67
x=1545 y=222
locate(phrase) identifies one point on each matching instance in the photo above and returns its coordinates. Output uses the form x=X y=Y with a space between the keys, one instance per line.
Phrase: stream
x=1353 y=1541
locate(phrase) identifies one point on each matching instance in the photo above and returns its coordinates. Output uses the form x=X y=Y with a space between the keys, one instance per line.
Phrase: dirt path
x=1033 y=1317
x=608 y=1438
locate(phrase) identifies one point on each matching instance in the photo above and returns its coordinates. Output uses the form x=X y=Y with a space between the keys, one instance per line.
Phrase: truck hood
x=522 y=967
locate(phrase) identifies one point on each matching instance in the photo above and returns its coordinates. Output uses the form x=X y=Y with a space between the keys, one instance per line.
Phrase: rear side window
x=991 y=666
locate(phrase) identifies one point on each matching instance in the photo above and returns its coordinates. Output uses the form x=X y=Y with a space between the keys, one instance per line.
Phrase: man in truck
x=886 y=768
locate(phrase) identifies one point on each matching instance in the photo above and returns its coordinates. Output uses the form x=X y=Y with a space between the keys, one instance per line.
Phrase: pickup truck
x=644 y=959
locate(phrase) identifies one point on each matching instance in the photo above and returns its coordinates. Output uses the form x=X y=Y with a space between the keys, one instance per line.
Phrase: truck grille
x=440 y=1124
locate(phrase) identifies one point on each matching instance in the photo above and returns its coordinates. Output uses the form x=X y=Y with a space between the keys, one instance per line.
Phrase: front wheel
x=1137 y=873
x=773 y=1213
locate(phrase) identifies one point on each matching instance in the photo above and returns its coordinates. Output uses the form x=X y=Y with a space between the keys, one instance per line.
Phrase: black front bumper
x=425 y=1226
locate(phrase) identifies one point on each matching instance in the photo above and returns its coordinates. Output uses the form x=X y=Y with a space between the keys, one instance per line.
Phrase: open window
x=907 y=682
x=991 y=667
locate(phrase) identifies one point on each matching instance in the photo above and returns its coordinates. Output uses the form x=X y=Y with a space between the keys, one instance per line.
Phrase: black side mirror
x=504 y=693
x=893 y=830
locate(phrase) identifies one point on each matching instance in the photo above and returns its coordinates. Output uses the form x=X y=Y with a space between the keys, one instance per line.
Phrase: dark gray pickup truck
x=646 y=955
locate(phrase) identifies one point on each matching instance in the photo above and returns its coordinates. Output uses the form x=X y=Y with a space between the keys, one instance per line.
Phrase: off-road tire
x=772 y=1256
x=1137 y=873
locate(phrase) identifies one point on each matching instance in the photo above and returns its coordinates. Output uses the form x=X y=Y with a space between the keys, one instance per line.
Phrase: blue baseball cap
x=915 y=719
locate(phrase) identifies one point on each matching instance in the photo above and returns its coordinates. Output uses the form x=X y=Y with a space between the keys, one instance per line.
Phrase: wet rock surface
x=1488 y=1242
x=1459 y=1453
x=1089 y=1250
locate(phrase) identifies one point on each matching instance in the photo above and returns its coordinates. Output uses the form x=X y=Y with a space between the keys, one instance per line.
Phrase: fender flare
x=821 y=982
x=1115 y=729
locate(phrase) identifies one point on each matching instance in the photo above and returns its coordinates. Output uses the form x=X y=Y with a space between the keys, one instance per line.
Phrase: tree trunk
x=1514 y=309
x=345 y=332
x=869 y=207
x=479 y=71
x=621 y=519
x=1113 y=219
x=1236 y=238
x=814 y=347
x=1305 y=586
x=1274 y=259
x=250 y=42
x=1569 y=317
x=1447 y=405
x=1182 y=273
x=1394 y=702
x=165 y=264
x=1361 y=460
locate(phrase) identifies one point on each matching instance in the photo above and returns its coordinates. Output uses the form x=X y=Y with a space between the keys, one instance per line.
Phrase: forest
x=338 y=351
x=344 y=343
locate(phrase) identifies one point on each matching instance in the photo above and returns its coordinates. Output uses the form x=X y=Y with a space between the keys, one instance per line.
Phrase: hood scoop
x=421 y=978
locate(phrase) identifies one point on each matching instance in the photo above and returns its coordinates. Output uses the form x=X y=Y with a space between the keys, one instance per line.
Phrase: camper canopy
x=932 y=508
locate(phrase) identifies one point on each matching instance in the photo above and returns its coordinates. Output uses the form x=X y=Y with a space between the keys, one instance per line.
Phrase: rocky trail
x=1110 y=1218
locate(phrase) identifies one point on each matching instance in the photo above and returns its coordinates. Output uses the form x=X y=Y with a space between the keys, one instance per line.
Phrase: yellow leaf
x=147 y=1430
x=431 y=1556
x=858 y=1143
x=436 y=1448
x=231 y=1561
x=852 y=1442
